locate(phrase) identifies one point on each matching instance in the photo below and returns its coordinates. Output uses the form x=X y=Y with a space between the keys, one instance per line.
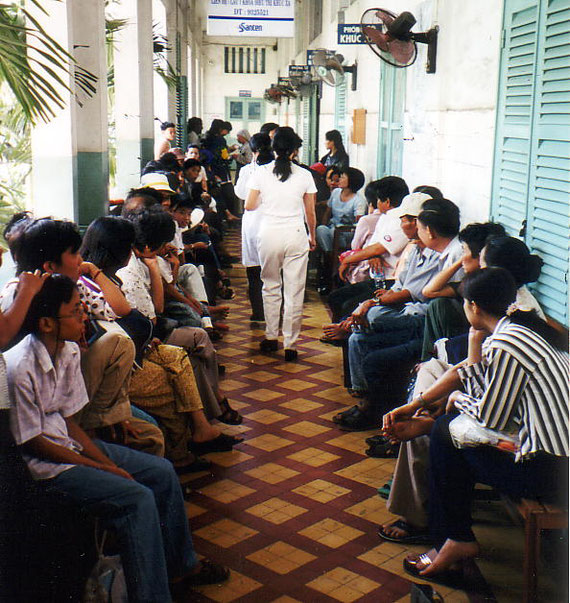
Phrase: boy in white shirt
x=137 y=494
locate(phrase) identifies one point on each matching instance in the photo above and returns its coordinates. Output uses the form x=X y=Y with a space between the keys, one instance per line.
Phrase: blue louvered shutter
x=340 y=109
x=549 y=190
x=514 y=114
x=531 y=184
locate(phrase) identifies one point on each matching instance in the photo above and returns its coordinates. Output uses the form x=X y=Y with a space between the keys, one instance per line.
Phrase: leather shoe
x=268 y=345
x=291 y=355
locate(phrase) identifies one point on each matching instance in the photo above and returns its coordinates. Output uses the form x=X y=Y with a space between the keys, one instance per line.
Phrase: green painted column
x=91 y=127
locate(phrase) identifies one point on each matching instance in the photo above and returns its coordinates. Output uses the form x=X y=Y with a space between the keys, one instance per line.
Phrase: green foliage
x=37 y=77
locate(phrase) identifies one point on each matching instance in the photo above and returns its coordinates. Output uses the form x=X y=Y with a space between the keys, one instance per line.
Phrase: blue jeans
x=148 y=516
x=388 y=328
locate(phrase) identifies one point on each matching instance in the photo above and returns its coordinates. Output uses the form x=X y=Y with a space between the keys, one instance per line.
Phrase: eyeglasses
x=77 y=313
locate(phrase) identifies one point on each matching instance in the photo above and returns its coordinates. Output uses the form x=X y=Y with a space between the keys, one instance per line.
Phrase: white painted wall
x=218 y=85
x=449 y=115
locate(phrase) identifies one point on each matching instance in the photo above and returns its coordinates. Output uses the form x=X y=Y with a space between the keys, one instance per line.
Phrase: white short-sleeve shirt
x=390 y=235
x=136 y=286
x=43 y=396
x=282 y=202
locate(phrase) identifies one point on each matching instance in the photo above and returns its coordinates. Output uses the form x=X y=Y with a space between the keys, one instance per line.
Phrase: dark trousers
x=254 y=288
x=454 y=473
x=444 y=318
x=343 y=301
x=387 y=372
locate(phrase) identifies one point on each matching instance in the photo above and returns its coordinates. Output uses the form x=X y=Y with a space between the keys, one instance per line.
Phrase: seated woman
x=345 y=206
x=514 y=382
x=409 y=491
x=165 y=386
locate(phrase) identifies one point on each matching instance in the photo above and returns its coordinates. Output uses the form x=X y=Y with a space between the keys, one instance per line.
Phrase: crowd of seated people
x=110 y=375
x=452 y=343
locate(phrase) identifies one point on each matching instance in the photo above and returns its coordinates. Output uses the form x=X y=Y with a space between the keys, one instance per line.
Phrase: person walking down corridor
x=287 y=194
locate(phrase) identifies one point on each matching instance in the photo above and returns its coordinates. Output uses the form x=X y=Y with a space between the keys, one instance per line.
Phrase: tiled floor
x=293 y=510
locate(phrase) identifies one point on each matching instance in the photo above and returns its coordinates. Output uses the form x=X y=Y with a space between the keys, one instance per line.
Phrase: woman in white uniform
x=261 y=148
x=287 y=196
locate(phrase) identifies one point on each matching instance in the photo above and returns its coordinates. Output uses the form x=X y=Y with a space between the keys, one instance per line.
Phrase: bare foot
x=205 y=433
x=403 y=431
x=221 y=311
x=335 y=331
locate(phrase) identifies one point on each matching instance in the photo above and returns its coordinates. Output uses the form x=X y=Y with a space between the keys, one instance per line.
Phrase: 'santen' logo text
x=245 y=27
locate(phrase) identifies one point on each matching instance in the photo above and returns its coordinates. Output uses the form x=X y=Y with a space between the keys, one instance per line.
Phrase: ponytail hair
x=285 y=142
x=513 y=255
x=261 y=144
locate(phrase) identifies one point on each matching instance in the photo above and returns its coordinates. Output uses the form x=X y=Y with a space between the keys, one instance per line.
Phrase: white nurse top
x=250 y=220
x=282 y=202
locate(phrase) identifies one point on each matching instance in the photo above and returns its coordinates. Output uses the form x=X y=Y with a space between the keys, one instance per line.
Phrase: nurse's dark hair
x=261 y=143
x=285 y=142
x=56 y=290
x=268 y=127
x=492 y=289
x=46 y=240
x=108 y=242
x=513 y=255
x=475 y=235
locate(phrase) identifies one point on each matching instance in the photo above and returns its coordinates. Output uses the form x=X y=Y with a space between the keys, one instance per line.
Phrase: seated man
x=389 y=193
x=137 y=494
x=390 y=335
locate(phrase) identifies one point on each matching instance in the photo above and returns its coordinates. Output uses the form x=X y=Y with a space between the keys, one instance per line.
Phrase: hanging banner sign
x=299 y=70
x=350 y=33
x=252 y=18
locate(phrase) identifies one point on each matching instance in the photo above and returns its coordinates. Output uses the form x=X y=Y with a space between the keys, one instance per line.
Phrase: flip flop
x=384 y=491
x=210 y=573
x=414 y=536
x=345 y=413
x=359 y=421
x=223 y=443
x=384 y=450
x=230 y=416
x=452 y=578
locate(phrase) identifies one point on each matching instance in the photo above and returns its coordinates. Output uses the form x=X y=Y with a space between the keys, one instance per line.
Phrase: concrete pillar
x=133 y=92
x=91 y=131
x=53 y=182
x=70 y=162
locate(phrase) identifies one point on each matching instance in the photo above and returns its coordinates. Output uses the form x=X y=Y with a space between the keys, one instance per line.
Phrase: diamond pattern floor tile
x=293 y=510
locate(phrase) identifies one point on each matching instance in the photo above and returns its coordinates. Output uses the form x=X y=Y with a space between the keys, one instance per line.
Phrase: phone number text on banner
x=255 y=18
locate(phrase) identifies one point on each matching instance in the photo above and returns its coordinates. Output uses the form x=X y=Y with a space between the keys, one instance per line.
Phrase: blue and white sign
x=350 y=33
x=252 y=18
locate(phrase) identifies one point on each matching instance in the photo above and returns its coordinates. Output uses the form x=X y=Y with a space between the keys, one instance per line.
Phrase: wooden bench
x=537 y=516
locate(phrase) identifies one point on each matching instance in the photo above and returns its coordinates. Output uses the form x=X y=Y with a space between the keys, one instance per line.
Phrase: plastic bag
x=466 y=432
x=106 y=582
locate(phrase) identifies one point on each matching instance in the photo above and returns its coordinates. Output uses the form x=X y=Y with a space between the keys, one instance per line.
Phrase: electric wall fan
x=328 y=67
x=391 y=38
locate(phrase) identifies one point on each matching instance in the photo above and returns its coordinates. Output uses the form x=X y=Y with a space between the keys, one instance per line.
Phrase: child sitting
x=137 y=494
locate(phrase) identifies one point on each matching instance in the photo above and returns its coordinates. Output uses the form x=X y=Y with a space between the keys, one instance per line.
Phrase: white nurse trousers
x=284 y=253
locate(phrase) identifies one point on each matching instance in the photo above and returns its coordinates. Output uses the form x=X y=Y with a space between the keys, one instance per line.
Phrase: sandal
x=223 y=443
x=414 y=535
x=210 y=573
x=452 y=578
x=359 y=421
x=384 y=450
x=356 y=393
x=384 y=491
x=338 y=418
x=230 y=416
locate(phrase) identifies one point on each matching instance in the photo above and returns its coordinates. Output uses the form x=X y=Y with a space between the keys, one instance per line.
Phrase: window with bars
x=240 y=59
